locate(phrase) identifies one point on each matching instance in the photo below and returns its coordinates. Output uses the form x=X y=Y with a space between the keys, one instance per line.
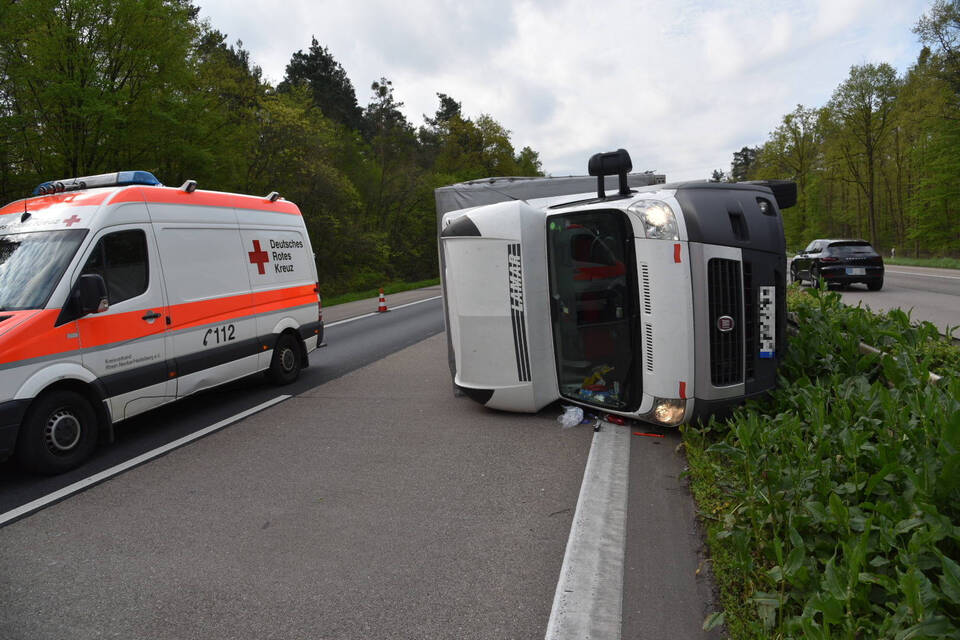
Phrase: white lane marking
x=376 y=313
x=96 y=478
x=587 y=602
x=922 y=275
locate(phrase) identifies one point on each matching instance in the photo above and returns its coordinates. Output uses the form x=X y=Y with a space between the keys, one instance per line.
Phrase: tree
x=743 y=163
x=718 y=176
x=85 y=82
x=328 y=83
x=431 y=134
x=940 y=28
x=528 y=163
x=220 y=108
x=861 y=107
x=394 y=145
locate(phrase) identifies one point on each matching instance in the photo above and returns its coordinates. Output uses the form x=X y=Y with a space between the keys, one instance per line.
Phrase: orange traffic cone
x=383 y=303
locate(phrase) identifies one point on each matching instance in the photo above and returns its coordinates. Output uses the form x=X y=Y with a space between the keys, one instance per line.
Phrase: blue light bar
x=118 y=179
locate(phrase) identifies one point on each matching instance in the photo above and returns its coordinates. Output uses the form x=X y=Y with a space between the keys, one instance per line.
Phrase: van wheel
x=285 y=366
x=59 y=432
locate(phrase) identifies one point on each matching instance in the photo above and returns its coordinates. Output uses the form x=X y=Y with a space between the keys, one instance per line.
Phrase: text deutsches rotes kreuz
x=283 y=260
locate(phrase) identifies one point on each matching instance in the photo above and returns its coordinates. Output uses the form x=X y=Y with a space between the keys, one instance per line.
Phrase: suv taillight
x=316 y=289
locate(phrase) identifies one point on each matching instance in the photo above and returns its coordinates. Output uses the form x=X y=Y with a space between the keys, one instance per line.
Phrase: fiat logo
x=725 y=324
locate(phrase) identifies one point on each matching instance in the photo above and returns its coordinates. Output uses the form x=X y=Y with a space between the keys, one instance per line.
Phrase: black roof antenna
x=611 y=163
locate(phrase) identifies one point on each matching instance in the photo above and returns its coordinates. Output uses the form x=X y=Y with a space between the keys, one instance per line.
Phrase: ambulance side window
x=121 y=259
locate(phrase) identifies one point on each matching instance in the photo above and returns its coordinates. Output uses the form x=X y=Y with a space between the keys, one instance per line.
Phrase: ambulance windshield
x=31 y=265
x=593 y=308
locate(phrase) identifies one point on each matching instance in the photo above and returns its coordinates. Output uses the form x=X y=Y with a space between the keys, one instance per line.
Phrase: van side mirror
x=91 y=294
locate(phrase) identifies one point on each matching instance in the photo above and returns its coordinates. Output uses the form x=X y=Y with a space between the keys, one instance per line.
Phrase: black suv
x=839 y=262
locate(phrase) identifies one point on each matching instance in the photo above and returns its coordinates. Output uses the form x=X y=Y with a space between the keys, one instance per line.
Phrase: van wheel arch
x=282 y=371
x=95 y=396
x=72 y=410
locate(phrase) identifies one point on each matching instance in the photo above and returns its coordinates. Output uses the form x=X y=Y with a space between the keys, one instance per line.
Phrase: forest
x=881 y=159
x=94 y=86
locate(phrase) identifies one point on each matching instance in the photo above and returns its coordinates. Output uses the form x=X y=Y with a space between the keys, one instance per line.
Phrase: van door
x=213 y=335
x=124 y=346
x=592 y=294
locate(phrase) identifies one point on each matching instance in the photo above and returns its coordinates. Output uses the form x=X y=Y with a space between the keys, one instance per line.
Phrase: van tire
x=285 y=366
x=58 y=433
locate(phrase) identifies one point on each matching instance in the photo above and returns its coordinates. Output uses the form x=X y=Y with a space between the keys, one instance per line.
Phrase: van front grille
x=750 y=314
x=725 y=291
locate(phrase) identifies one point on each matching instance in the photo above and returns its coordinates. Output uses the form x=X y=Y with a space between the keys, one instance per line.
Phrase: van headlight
x=659 y=222
x=668 y=411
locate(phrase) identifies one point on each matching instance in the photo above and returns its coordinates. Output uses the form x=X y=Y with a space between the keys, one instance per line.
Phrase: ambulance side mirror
x=91 y=294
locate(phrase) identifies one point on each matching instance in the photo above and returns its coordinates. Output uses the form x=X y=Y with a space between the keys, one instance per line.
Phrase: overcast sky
x=680 y=84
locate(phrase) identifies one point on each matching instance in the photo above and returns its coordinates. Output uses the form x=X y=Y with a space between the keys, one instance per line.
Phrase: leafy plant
x=834 y=503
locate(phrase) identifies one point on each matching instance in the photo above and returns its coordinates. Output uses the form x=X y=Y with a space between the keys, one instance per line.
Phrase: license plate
x=856 y=271
x=768 y=316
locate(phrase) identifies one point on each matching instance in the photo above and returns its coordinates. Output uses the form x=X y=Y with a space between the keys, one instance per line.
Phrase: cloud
x=680 y=84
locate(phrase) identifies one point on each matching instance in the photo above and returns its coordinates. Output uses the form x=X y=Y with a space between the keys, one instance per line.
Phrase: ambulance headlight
x=668 y=411
x=659 y=222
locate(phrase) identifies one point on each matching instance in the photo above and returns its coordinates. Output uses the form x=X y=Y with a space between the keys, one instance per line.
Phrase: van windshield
x=593 y=308
x=31 y=265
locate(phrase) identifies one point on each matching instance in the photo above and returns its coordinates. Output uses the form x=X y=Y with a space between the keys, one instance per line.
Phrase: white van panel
x=217 y=375
x=127 y=405
x=201 y=262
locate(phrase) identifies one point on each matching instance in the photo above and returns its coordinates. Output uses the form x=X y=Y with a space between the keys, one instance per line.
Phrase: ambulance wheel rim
x=63 y=431
x=288 y=360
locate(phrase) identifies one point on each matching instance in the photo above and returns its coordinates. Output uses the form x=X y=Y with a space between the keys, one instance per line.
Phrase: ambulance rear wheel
x=58 y=433
x=285 y=366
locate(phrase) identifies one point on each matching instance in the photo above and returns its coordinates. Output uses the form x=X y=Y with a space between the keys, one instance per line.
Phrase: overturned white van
x=662 y=302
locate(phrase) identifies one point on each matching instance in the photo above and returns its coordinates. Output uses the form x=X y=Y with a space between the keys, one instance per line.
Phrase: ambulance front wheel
x=58 y=433
x=285 y=366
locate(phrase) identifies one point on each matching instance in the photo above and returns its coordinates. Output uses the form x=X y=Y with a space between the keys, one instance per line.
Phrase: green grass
x=390 y=287
x=943 y=263
x=832 y=506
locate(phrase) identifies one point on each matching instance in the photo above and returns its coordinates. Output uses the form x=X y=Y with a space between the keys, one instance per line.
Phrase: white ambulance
x=118 y=295
x=663 y=302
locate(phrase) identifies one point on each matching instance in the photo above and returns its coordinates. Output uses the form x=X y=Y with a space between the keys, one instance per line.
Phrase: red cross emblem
x=72 y=219
x=258 y=257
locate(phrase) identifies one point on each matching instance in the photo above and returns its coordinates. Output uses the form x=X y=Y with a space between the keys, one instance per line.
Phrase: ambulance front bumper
x=11 y=415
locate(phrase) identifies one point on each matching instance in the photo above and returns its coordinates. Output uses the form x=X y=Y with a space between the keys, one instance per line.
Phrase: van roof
x=149 y=195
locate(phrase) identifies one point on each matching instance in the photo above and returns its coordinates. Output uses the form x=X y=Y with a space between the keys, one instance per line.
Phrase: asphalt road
x=929 y=294
x=371 y=504
x=351 y=346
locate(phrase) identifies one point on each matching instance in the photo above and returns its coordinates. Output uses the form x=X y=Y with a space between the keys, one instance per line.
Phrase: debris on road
x=572 y=416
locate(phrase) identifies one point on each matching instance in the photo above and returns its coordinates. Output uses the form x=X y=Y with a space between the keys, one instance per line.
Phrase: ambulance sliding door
x=125 y=345
x=212 y=336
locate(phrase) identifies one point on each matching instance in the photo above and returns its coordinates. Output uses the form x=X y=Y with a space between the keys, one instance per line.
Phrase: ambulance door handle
x=153 y=315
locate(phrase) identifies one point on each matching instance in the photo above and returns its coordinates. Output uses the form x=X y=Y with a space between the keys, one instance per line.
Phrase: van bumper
x=11 y=415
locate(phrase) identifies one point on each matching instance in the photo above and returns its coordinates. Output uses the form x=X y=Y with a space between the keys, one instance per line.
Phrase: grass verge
x=943 y=263
x=832 y=506
x=390 y=287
